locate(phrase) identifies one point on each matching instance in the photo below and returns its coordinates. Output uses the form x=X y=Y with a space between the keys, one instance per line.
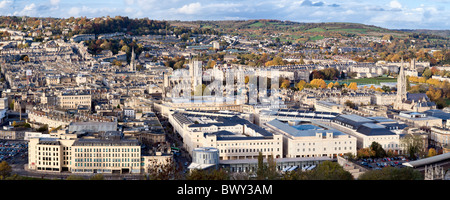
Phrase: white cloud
x=28 y=10
x=395 y=4
x=54 y=2
x=74 y=11
x=129 y=10
x=30 y=7
x=5 y=3
x=190 y=9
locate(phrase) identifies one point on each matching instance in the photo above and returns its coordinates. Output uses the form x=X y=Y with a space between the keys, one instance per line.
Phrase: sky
x=392 y=14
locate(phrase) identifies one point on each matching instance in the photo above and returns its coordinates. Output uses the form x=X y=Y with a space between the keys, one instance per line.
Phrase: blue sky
x=393 y=14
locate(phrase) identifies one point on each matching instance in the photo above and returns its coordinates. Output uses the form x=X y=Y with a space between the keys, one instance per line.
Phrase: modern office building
x=104 y=152
x=418 y=119
x=312 y=140
x=367 y=131
x=234 y=137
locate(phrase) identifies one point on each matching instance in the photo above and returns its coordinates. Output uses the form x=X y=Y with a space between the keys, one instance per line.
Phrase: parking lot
x=13 y=151
x=379 y=163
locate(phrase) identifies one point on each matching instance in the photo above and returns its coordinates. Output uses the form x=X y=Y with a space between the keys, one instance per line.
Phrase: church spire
x=401 y=87
x=132 y=62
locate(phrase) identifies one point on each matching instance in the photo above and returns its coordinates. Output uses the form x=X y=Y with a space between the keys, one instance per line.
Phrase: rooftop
x=220 y=121
x=428 y=161
x=302 y=130
x=371 y=129
x=353 y=120
x=438 y=113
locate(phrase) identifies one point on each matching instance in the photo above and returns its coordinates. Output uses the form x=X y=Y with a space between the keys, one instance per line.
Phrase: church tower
x=401 y=88
x=195 y=72
x=132 y=66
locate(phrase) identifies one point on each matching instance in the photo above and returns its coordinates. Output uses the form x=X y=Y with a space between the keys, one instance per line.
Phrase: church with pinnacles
x=418 y=102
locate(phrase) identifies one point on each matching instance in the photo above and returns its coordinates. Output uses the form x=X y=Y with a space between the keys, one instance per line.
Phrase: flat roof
x=438 y=113
x=426 y=161
x=354 y=120
x=277 y=160
x=371 y=129
x=301 y=132
x=381 y=119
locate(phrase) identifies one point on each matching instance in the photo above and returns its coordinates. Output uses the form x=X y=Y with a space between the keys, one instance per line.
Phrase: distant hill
x=442 y=33
x=291 y=31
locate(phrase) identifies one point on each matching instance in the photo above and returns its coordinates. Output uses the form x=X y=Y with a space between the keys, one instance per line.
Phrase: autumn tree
x=318 y=83
x=427 y=73
x=210 y=64
x=431 y=152
x=5 y=170
x=330 y=85
x=434 y=94
x=365 y=153
x=300 y=85
x=353 y=86
x=387 y=37
x=276 y=61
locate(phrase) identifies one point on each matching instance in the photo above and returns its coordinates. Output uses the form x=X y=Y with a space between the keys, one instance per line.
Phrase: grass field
x=364 y=81
x=317 y=37
x=314 y=30
x=257 y=24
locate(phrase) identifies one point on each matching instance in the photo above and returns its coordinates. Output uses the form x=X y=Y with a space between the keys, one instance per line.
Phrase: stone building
x=410 y=102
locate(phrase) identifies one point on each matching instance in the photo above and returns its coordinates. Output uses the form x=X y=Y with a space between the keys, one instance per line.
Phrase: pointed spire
x=132 y=62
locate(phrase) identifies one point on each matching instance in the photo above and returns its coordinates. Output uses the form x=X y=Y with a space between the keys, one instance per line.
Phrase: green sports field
x=365 y=81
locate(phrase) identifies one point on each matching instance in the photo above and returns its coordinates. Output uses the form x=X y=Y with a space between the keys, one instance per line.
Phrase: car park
x=9 y=150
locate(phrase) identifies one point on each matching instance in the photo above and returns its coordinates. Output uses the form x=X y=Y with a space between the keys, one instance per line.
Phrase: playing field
x=365 y=81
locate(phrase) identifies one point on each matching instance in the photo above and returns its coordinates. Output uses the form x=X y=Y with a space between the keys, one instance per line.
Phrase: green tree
x=167 y=170
x=260 y=172
x=11 y=105
x=413 y=145
x=271 y=168
x=75 y=177
x=427 y=73
x=378 y=149
x=5 y=170
x=350 y=104
x=266 y=171
x=97 y=177
x=292 y=175
x=328 y=170
x=215 y=174
x=392 y=173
